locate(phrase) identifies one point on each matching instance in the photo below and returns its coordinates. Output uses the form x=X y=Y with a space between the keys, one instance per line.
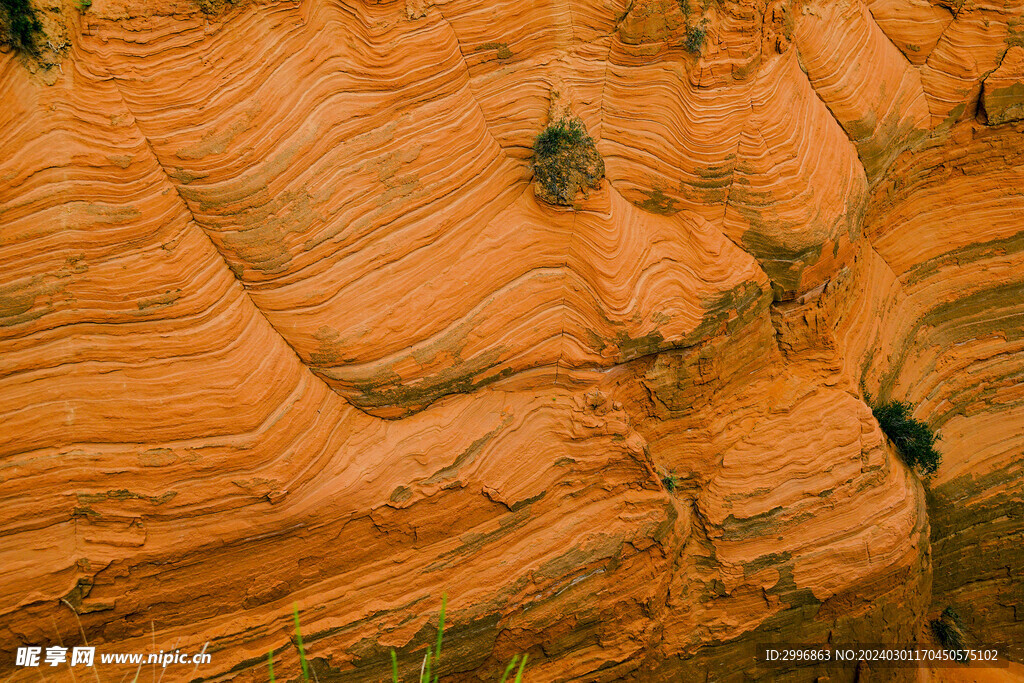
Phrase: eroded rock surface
x=1004 y=89
x=282 y=320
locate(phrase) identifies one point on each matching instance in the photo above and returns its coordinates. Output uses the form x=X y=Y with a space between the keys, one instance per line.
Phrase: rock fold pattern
x=282 y=319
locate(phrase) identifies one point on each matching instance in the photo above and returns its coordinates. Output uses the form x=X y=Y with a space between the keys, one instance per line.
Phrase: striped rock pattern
x=281 y=320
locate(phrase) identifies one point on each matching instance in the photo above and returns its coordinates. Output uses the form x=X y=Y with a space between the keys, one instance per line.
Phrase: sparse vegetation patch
x=914 y=439
x=431 y=659
x=20 y=26
x=216 y=8
x=566 y=161
x=948 y=630
x=695 y=37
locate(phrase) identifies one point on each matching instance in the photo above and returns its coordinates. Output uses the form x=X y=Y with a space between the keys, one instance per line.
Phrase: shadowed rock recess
x=283 y=319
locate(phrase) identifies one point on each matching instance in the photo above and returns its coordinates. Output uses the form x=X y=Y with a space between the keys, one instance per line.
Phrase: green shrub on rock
x=565 y=161
x=695 y=37
x=914 y=439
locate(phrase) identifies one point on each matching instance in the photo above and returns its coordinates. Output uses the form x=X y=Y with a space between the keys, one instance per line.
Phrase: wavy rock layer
x=963 y=359
x=281 y=320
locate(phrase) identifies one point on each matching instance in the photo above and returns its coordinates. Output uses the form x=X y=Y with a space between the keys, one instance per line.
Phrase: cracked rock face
x=1004 y=89
x=281 y=321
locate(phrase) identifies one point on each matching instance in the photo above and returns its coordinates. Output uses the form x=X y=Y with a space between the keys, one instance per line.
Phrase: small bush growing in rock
x=914 y=439
x=695 y=37
x=670 y=481
x=565 y=161
x=560 y=135
x=948 y=630
x=19 y=26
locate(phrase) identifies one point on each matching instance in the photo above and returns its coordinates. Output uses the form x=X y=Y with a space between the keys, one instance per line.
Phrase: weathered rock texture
x=1004 y=89
x=281 y=319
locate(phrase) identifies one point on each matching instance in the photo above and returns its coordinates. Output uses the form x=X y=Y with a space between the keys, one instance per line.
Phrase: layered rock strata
x=282 y=320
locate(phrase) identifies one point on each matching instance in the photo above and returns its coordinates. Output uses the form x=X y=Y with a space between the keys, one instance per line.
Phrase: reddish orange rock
x=282 y=321
x=1003 y=94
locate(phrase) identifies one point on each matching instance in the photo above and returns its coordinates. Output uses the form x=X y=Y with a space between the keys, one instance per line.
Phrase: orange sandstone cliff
x=283 y=318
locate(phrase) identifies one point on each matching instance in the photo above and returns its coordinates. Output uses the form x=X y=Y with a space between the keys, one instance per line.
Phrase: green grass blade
x=394 y=666
x=270 y=663
x=508 y=669
x=440 y=634
x=298 y=638
x=519 y=674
